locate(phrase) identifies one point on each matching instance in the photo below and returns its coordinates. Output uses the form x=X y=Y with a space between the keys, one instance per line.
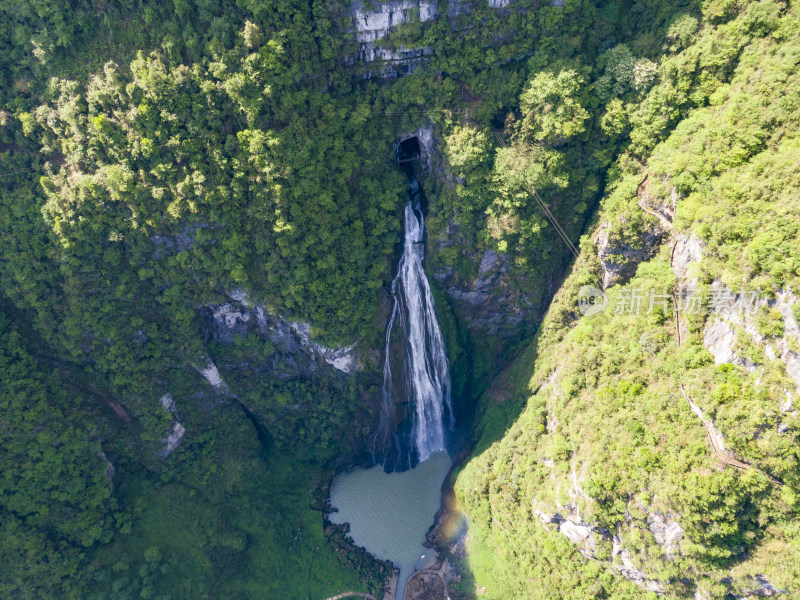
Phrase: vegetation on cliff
x=157 y=158
x=593 y=423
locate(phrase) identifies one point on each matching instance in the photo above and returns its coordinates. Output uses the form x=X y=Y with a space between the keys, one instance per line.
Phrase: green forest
x=165 y=164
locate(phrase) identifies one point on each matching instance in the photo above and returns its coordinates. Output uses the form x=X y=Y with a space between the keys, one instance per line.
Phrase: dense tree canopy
x=159 y=158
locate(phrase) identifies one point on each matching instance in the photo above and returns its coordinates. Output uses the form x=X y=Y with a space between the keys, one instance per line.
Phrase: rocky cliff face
x=176 y=431
x=371 y=23
x=286 y=381
x=549 y=460
x=295 y=354
x=620 y=258
x=489 y=301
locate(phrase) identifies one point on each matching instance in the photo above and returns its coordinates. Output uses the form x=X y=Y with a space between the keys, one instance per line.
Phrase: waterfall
x=424 y=361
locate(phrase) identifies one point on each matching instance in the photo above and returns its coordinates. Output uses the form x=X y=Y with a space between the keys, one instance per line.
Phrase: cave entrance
x=408 y=150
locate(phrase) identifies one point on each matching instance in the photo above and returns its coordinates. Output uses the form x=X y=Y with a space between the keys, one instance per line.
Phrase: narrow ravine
x=391 y=506
x=425 y=371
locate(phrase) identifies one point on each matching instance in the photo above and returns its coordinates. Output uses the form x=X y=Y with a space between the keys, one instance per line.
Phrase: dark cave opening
x=408 y=150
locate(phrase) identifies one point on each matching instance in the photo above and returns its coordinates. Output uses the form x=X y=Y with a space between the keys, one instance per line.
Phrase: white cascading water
x=424 y=359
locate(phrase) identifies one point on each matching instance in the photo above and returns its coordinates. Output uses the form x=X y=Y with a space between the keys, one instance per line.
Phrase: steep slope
x=651 y=444
x=200 y=212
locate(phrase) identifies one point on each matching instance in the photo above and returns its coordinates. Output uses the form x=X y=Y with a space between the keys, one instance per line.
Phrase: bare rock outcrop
x=295 y=351
x=369 y=23
x=620 y=258
x=490 y=303
x=171 y=441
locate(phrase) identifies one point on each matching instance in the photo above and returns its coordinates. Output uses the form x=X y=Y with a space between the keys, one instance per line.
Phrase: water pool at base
x=390 y=513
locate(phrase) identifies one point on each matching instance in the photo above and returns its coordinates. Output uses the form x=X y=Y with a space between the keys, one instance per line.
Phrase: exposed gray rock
x=666 y=531
x=168 y=402
x=211 y=374
x=176 y=432
x=583 y=535
x=786 y=405
x=489 y=304
x=261 y=318
x=760 y=587
x=620 y=259
x=792 y=360
x=371 y=23
x=587 y=538
x=719 y=338
x=575 y=532
x=626 y=567
x=489 y=260
x=688 y=251
x=731 y=311
x=427 y=144
x=239 y=295
x=296 y=354
x=343 y=359
x=657 y=205
x=281 y=335
x=451 y=236
x=172 y=440
x=719 y=335
x=368 y=52
x=783 y=303
x=230 y=322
